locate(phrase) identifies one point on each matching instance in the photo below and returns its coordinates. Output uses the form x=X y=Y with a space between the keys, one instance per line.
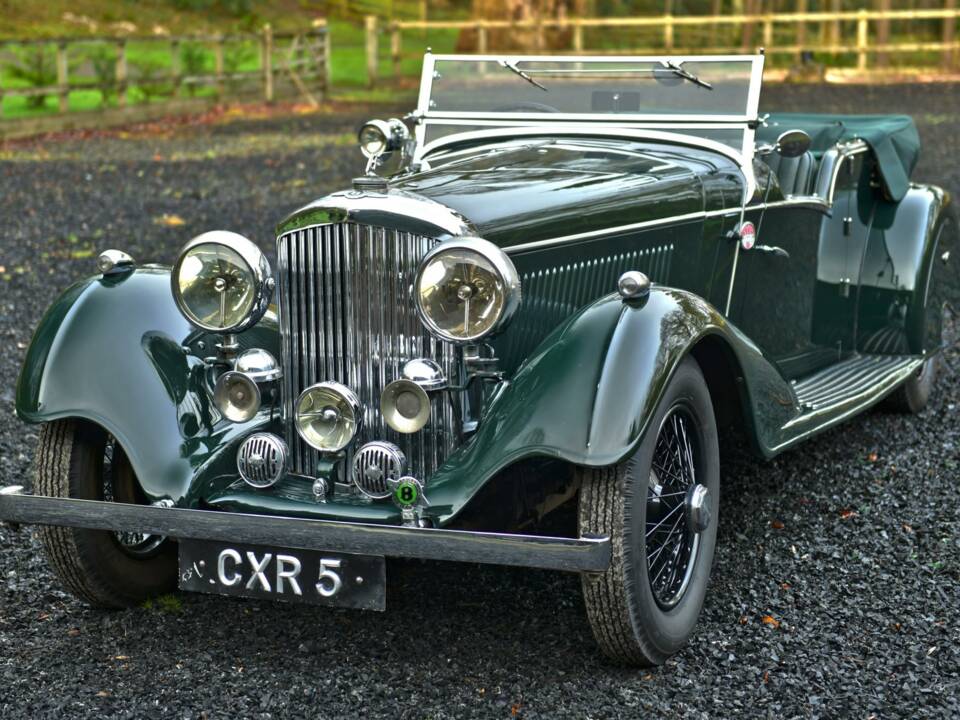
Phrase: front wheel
x=659 y=508
x=106 y=569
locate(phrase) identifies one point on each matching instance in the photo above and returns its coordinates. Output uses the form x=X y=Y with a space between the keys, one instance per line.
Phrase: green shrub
x=152 y=79
x=193 y=61
x=104 y=63
x=37 y=67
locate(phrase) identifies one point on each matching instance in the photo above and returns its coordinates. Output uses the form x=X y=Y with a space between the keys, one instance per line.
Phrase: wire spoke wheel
x=119 y=485
x=671 y=542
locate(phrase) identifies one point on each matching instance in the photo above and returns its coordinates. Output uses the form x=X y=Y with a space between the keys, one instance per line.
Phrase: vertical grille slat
x=346 y=315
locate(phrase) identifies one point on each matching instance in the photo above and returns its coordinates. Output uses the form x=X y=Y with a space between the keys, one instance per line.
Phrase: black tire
x=914 y=394
x=630 y=622
x=95 y=565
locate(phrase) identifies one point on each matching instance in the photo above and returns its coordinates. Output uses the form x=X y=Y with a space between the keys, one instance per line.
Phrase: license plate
x=301 y=576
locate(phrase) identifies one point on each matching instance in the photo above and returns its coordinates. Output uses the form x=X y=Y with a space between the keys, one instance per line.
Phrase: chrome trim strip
x=832 y=163
x=619 y=229
x=586 y=554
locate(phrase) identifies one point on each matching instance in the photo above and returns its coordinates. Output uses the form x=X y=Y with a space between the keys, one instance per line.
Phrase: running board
x=862 y=375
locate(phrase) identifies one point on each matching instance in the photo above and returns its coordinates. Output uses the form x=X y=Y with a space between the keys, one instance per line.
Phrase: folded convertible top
x=892 y=138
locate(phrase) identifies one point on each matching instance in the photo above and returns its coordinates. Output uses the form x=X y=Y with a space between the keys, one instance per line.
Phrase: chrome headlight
x=382 y=136
x=222 y=282
x=327 y=416
x=466 y=289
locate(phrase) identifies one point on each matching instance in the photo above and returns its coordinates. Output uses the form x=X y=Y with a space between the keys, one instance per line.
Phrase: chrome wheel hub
x=699 y=508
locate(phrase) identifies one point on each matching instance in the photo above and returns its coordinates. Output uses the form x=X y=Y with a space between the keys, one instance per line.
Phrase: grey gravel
x=848 y=546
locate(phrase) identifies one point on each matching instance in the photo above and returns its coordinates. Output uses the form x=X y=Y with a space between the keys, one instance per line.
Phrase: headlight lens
x=328 y=416
x=373 y=140
x=466 y=289
x=222 y=282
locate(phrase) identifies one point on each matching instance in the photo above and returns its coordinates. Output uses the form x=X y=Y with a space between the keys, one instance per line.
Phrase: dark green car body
x=833 y=282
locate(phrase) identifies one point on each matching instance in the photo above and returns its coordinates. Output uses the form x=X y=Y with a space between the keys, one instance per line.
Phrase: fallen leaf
x=777 y=524
x=121 y=657
x=766 y=677
x=158 y=157
x=785 y=586
x=104 y=693
x=743 y=619
x=3 y=269
x=907 y=528
x=170 y=220
x=43 y=616
x=897 y=626
x=872 y=457
x=73 y=632
x=771 y=621
x=515 y=709
x=847 y=514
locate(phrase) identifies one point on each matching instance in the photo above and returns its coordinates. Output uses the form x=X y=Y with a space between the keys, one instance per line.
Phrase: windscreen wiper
x=686 y=74
x=512 y=67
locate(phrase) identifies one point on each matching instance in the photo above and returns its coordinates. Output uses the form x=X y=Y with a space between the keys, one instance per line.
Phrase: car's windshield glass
x=592 y=88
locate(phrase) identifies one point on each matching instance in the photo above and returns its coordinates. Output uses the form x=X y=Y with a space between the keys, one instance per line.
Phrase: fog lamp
x=405 y=406
x=236 y=396
x=328 y=416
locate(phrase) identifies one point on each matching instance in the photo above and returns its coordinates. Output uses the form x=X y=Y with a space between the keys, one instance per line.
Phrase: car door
x=773 y=293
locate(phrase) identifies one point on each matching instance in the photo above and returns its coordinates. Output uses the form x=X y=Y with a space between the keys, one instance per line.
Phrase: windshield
x=697 y=88
x=713 y=98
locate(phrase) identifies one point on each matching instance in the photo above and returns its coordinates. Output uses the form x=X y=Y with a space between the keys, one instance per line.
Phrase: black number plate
x=303 y=576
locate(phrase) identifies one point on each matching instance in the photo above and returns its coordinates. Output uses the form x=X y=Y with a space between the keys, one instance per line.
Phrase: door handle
x=773 y=250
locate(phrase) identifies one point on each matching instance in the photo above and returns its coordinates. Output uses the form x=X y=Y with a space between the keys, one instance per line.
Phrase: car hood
x=525 y=191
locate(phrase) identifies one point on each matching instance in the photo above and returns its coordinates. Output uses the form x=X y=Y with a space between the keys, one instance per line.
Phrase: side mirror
x=793 y=143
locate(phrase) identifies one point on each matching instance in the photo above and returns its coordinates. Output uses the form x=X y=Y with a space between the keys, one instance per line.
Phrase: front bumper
x=586 y=554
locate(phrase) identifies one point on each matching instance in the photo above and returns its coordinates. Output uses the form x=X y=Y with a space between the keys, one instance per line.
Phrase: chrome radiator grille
x=346 y=315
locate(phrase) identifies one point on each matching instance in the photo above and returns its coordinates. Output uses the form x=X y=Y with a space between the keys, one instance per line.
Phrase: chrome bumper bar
x=586 y=554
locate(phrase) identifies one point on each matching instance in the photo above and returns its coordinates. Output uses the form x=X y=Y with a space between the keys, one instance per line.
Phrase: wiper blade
x=686 y=74
x=512 y=67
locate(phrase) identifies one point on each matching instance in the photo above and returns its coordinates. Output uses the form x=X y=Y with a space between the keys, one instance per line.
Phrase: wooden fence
x=864 y=35
x=299 y=62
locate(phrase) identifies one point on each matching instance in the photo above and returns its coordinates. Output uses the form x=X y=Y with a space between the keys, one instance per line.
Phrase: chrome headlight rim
x=257 y=265
x=509 y=277
x=348 y=396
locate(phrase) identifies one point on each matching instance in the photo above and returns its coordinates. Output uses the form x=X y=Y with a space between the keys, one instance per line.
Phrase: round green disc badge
x=407 y=492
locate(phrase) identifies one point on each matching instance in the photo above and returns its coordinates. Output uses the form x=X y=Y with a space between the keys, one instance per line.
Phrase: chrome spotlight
x=405 y=406
x=236 y=396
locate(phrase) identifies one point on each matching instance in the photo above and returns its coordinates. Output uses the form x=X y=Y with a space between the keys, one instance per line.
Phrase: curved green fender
x=112 y=350
x=587 y=393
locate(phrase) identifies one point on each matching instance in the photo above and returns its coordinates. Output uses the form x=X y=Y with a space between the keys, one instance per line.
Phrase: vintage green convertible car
x=560 y=283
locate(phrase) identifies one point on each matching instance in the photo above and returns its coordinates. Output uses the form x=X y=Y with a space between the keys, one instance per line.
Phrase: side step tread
x=848 y=378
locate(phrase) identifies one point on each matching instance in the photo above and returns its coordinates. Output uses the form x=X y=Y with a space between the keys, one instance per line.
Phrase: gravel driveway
x=835 y=587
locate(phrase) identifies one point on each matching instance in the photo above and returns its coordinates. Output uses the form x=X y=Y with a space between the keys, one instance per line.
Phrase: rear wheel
x=914 y=394
x=106 y=569
x=659 y=509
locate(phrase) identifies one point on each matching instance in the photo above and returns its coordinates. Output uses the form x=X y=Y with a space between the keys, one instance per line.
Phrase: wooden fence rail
x=301 y=60
x=830 y=39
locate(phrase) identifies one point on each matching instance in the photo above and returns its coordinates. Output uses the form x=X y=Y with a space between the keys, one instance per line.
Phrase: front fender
x=588 y=392
x=112 y=350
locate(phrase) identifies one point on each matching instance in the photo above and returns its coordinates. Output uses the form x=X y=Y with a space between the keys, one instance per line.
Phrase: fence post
x=883 y=32
x=578 y=37
x=176 y=77
x=121 y=73
x=267 y=54
x=861 y=40
x=949 y=25
x=801 y=32
x=218 y=64
x=326 y=59
x=373 y=54
x=481 y=37
x=63 y=79
x=768 y=32
x=668 y=32
x=396 y=47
